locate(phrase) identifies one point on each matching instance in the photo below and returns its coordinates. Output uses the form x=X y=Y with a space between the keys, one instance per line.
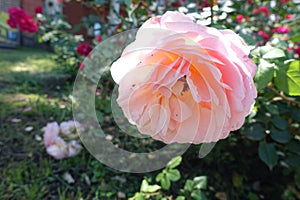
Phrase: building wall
x=6 y=4
x=30 y=5
x=74 y=11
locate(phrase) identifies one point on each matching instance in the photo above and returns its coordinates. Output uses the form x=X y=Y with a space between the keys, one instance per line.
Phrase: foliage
x=192 y=189
x=260 y=161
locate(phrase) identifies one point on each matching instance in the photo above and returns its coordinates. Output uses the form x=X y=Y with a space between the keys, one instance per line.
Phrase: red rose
x=289 y=16
x=84 y=49
x=205 y=3
x=264 y=35
x=38 y=10
x=297 y=50
x=239 y=18
x=98 y=38
x=178 y=3
x=18 y=18
x=262 y=9
x=11 y=23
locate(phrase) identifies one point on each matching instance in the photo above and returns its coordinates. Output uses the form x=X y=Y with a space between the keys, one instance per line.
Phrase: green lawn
x=31 y=78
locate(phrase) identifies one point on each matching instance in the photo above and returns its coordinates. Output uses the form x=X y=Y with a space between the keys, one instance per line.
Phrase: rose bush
x=176 y=91
x=18 y=18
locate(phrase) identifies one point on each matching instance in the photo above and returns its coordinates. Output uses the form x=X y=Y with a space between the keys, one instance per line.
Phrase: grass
x=31 y=78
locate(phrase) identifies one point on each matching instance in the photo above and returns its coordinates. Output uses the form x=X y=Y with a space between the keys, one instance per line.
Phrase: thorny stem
x=282 y=96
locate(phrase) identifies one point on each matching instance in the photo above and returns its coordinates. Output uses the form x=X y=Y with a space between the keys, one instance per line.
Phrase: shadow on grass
x=30 y=70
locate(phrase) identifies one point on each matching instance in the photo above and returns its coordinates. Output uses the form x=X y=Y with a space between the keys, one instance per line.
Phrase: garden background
x=259 y=161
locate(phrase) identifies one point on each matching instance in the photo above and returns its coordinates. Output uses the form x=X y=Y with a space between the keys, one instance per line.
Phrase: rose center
x=180 y=86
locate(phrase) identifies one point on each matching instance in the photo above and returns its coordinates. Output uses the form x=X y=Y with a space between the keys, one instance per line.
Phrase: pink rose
x=183 y=82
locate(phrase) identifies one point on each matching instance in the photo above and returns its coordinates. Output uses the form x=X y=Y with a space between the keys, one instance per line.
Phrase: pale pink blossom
x=51 y=133
x=74 y=148
x=186 y=83
x=58 y=149
x=15 y=120
x=27 y=109
x=67 y=127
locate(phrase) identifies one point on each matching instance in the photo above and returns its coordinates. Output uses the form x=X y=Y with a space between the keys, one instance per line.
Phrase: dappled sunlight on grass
x=19 y=64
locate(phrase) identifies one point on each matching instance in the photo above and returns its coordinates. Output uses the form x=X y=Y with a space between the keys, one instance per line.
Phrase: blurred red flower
x=178 y=3
x=81 y=66
x=84 y=49
x=239 y=18
x=282 y=29
x=297 y=50
x=38 y=10
x=264 y=35
x=289 y=16
x=262 y=9
x=18 y=18
x=98 y=38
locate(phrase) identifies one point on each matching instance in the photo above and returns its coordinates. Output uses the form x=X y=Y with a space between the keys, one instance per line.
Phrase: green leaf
x=295 y=38
x=264 y=74
x=273 y=109
x=296 y=114
x=282 y=136
x=272 y=52
x=198 y=195
x=294 y=160
x=279 y=122
x=180 y=198
x=288 y=78
x=145 y=187
x=189 y=185
x=173 y=174
x=200 y=182
x=165 y=183
x=297 y=179
x=139 y=196
x=267 y=153
x=252 y=196
x=159 y=177
x=237 y=180
x=255 y=132
x=294 y=147
x=248 y=39
x=174 y=162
